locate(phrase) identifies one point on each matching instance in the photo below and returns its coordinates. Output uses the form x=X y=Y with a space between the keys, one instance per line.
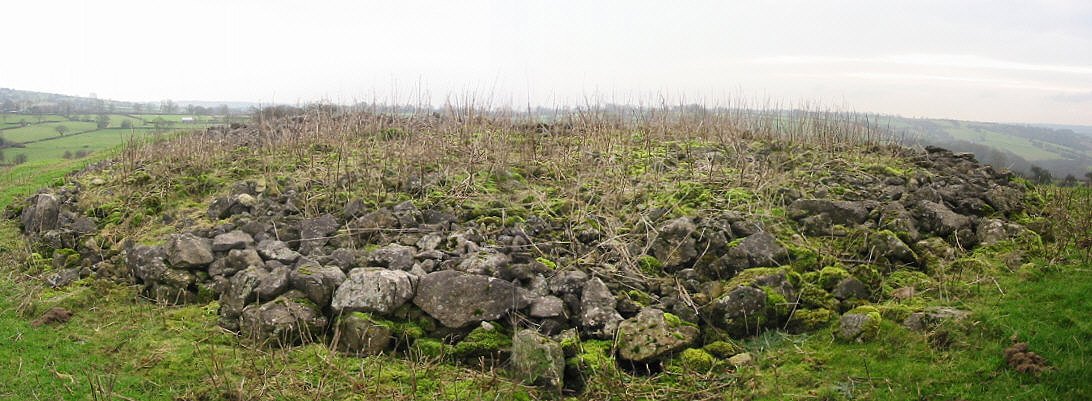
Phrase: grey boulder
x=460 y=299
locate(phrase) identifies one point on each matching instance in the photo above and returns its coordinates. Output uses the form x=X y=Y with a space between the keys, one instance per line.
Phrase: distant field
x=37 y=132
x=1020 y=146
x=43 y=146
x=9 y=120
x=90 y=142
x=177 y=118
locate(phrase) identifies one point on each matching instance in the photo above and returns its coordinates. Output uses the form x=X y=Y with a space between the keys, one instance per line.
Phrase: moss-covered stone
x=649 y=265
x=860 y=324
x=593 y=356
x=831 y=275
x=750 y=276
x=490 y=342
x=907 y=278
x=722 y=349
x=803 y=259
x=652 y=335
x=813 y=297
x=895 y=312
x=696 y=359
x=805 y=320
x=537 y=359
x=777 y=305
x=431 y=348
x=640 y=297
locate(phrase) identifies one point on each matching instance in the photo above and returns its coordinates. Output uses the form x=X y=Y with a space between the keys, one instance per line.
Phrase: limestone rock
x=188 y=251
x=358 y=334
x=393 y=256
x=932 y=317
x=598 y=316
x=674 y=245
x=317 y=282
x=538 y=360
x=460 y=299
x=277 y=250
x=651 y=336
x=236 y=239
x=374 y=290
x=315 y=233
x=860 y=324
x=288 y=320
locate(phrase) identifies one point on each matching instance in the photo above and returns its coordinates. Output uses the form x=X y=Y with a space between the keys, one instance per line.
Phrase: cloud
x=930 y=60
x=1073 y=97
x=990 y=82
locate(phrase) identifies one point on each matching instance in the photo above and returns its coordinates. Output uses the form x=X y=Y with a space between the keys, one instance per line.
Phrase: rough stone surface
x=938 y=219
x=287 y=320
x=598 y=316
x=567 y=282
x=538 y=360
x=236 y=239
x=147 y=263
x=239 y=293
x=851 y=288
x=932 y=317
x=393 y=256
x=315 y=233
x=758 y=250
x=674 y=245
x=317 y=282
x=188 y=251
x=235 y=261
x=1005 y=199
x=272 y=283
x=41 y=214
x=888 y=246
x=357 y=334
x=649 y=336
x=374 y=291
x=547 y=306
x=742 y=310
x=484 y=262
x=460 y=299
x=858 y=326
x=277 y=250
x=63 y=277
x=837 y=212
x=741 y=360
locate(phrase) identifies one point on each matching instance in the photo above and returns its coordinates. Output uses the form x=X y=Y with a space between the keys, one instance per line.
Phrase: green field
x=11 y=120
x=38 y=132
x=99 y=140
x=1020 y=146
x=42 y=143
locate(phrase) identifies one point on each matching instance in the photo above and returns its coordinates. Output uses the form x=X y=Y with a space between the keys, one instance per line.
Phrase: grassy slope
x=1045 y=311
x=151 y=352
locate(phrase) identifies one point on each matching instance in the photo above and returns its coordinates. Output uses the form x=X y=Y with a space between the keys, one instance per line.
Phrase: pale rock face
x=374 y=290
x=188 y=251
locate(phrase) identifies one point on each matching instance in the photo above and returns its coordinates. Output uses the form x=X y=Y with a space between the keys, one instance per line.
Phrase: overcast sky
x=980 y=60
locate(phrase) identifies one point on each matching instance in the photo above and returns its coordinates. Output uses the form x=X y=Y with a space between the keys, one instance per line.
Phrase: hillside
x=1063 y=150
x=347 y=253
